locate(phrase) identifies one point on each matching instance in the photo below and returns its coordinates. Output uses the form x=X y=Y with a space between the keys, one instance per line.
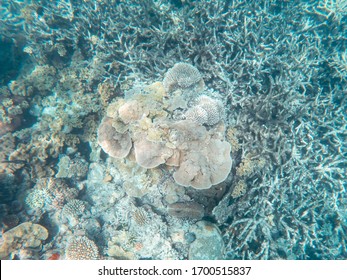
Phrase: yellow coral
x=248 y=166
x=239 y=189
x=231 y=136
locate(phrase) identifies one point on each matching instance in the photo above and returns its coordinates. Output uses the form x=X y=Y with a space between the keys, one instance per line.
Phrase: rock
x=208 y=244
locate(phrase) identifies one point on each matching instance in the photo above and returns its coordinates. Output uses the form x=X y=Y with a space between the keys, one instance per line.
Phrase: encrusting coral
x=143 y=125
x=25 y=235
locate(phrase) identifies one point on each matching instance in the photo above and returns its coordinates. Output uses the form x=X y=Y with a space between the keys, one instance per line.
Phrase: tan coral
x=82 y=249
x=239 y=189
x=205 y=166
x=131 y=111
x=205 y=159
x=199 y=154
x=112 y=142
x=25 y=235
x=150 y=154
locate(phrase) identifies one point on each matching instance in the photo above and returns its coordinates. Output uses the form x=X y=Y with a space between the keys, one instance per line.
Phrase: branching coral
x=50 y=193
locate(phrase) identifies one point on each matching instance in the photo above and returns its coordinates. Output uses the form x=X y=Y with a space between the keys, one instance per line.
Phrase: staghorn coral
x=25 y=235
x=82 y=248
x=183 y=76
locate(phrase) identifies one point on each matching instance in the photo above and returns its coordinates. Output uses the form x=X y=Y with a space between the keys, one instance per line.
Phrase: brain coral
x=183 y=76
x=115 y=144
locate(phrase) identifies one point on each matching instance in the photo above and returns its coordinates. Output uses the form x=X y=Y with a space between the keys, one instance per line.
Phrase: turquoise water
x=242 y=149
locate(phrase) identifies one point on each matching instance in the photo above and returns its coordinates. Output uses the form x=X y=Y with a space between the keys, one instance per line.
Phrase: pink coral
x=115 y=144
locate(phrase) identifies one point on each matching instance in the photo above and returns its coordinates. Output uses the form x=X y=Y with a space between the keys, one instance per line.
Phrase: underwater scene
x=173 y=130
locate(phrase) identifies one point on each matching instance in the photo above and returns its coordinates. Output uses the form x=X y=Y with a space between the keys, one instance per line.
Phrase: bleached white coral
x=197 y=114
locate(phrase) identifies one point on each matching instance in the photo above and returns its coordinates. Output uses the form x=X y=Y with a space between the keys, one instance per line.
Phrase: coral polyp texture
x=82 y=249
x=183 y=76
x=126 y=125
x=200 y=154
x=207 y=111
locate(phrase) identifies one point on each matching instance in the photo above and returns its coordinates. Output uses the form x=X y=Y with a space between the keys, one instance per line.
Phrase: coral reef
x=72 y=168
x=264 y=80
x=201 y=155
x=50 y=193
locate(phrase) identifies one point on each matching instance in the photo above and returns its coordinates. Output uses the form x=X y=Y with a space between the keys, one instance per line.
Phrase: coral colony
x=152 y=129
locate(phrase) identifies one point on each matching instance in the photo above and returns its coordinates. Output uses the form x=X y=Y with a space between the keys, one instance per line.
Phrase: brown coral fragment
x=115 y=144
x=26 y=235
x=188 y=210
